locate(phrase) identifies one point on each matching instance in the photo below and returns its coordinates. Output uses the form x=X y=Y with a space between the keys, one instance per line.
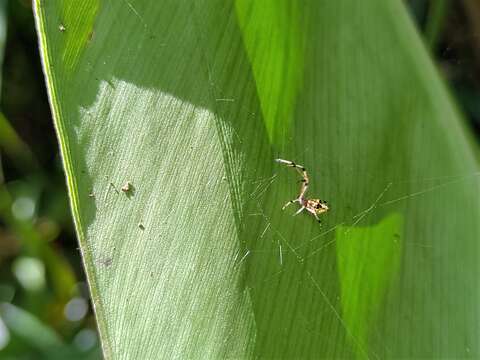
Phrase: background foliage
x=45 y=308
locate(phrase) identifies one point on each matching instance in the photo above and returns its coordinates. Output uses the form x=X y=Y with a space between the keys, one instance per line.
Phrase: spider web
x=284 y=246
x=263 y=185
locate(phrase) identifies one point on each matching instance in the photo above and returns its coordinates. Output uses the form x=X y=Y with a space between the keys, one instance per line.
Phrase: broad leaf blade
x=196 y=259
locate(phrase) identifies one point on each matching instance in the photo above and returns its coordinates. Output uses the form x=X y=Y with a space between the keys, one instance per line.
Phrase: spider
x=313 y=206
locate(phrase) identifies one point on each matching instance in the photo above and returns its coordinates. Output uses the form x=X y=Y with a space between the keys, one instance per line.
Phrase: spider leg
x=303 y=173
x=316 y=217
x=304 y=187
x=305 y=180
x=299 y=210
x=290 y=203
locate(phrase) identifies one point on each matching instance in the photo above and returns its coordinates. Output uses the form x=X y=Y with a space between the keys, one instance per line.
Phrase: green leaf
x=280 y=27
x=189 y=103
x=369 y=255
x=34 y=333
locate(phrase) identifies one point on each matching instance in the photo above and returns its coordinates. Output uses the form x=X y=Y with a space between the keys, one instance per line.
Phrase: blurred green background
x=44 y=306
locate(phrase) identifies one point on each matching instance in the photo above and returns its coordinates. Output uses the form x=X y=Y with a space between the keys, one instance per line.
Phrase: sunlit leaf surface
x=190 y=102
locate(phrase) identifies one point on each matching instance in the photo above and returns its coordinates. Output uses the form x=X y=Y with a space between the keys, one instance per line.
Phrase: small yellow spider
x=313 y=206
